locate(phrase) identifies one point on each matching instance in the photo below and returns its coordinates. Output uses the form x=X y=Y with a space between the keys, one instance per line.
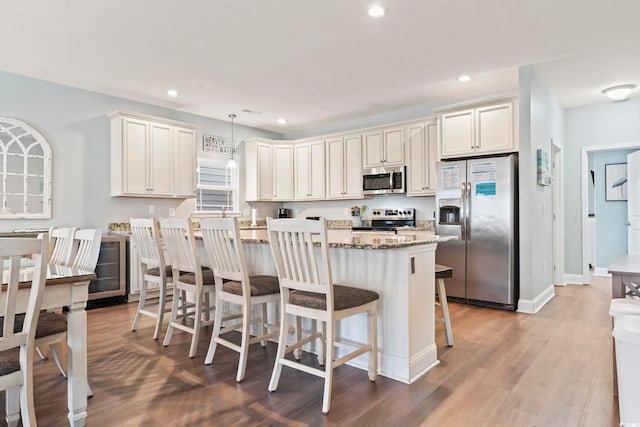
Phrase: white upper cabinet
x=258 y=170
x=489 y=128
x=151 y=157
x=422 y=145
x=344 y=167
x=282 y=172
x=383 y=147
x=185 y=155
x=310 y=171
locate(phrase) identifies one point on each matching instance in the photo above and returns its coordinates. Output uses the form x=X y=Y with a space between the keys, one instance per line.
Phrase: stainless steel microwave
x=383 y=180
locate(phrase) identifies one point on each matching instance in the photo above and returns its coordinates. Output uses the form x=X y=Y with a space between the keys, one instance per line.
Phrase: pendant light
x=232 y=164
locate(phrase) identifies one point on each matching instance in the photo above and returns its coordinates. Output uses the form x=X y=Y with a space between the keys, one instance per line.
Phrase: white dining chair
x=307 y=290
x=18 y=329
x=223 y=246
x=52 y=327
x=61 y=245
x=192 y=283
x=153 y=269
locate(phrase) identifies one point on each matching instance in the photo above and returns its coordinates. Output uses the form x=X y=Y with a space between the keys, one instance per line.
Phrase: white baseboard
x=601 y=271
x=573 y=279
x=534 y=305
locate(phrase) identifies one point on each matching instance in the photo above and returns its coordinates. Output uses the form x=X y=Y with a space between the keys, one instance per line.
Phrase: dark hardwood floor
x=506 y=369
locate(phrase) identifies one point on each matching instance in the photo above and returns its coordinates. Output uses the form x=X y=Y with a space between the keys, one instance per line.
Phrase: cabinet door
x=432 y=156
x=353 y=167
x=393 y=147
x=184 y=167
x=457 y=133
x=160 y=159
x=265 y=172
x=373 y=150
x=282 y=173
x=135 y=134
x=494 y=129
x=336 y=168
x=316 y=150
x=417 y=164
x=302 y=172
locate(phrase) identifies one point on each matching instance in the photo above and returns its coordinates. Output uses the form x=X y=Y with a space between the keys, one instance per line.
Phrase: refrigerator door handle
x=463 y=225
x=468 y=217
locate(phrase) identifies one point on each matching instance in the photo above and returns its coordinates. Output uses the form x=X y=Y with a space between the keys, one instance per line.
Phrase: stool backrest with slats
x=144 y=235
x=300 y=264
x=61 y=245
x=180 y=244
x=86 y=249
x=221 y=239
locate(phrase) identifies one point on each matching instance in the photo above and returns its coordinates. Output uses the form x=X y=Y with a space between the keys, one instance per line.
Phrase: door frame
x=557 y=203
x=586 y=278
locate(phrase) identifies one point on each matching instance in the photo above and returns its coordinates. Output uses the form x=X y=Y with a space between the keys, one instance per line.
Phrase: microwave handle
x=391 y=181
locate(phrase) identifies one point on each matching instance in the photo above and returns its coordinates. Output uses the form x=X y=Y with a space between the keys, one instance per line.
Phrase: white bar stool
x=443 y=272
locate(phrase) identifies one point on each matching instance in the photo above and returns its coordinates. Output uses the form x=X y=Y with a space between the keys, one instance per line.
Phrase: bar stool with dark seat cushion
x=144 y=235
x=443 y=272
x=189 y=277
x=221 y=239
x=307 y=290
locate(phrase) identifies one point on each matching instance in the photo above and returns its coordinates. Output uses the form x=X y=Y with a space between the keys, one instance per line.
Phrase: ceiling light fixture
x=620 y=92
x=376 y=12
x=172 y=93
x=232 y=164
x=282 y=121
x=464 y=78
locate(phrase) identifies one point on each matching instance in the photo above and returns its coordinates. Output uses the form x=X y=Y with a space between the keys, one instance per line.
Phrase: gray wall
x=611 y=216
x=76 y=125
x=541 y=121
x=592 y=126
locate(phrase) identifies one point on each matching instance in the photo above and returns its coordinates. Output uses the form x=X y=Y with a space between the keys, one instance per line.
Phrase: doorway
x=585 y=171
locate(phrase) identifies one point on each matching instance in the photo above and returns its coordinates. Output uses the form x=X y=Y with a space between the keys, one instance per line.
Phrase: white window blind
x=216 y=186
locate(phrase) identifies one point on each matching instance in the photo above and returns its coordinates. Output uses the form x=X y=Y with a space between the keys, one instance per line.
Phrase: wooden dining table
x=67 y=287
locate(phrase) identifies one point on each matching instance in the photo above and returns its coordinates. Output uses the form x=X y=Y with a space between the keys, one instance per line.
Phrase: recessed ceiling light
x=620 y=92
x=464 y=78
x=282 y=121
x=376 y=12
x=172 y=93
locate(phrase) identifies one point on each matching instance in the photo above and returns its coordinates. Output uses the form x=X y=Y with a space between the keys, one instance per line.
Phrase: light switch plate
x=152 y=209
x=172 y=212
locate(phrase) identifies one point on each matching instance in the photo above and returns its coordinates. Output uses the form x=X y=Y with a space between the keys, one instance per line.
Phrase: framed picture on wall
x=615 y=181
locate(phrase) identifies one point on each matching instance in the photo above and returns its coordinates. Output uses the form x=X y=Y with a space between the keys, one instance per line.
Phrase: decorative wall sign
x=544 y=174
x=217 y=144
x=615 y=181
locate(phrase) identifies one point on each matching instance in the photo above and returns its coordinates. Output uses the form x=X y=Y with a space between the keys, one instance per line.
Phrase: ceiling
x=321 y=62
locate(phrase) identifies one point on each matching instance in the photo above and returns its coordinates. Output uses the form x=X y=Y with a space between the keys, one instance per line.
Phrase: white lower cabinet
x=344 y=167
x=422 y=141
x=151 y=157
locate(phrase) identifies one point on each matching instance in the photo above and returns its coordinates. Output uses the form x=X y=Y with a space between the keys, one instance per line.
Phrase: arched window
x=25 y=168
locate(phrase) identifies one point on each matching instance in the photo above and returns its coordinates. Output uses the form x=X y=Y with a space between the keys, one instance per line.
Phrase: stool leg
x=442 y=295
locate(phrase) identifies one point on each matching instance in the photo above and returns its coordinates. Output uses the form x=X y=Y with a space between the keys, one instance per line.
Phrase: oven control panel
x=393 y=214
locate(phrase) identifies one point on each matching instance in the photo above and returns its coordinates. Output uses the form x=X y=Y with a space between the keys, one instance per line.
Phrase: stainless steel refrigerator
x=477 y=201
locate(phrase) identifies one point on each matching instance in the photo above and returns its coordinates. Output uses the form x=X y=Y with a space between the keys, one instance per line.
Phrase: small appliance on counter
x=284 y=213
x=389 y=220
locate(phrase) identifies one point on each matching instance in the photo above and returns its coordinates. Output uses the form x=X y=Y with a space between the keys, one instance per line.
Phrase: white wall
x=76 y=125
x=541 y=121
x=592 y=126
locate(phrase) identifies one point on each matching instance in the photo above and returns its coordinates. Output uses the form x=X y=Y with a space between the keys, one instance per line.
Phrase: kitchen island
x=401 y=269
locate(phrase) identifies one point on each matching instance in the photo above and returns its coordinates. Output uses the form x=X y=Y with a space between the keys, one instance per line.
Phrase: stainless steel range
x=383 y=219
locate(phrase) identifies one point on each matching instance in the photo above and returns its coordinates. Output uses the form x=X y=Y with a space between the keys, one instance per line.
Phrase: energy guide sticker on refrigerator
x=477 y=202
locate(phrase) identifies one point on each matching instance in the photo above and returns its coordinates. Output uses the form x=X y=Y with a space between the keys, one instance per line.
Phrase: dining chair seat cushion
x=260 y=285
x=48 y=324
x=155 y=271
x=344 y=297
x=443 y=272
x=190 y=278
x=9 y=361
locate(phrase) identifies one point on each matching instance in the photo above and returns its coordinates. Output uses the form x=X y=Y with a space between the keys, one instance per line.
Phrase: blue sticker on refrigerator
x=486 y=189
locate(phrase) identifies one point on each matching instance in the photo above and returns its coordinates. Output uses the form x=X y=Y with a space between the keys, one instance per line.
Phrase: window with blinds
x=216 y=188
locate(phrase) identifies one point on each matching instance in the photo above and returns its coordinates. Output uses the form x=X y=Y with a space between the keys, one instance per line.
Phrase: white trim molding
x=573 y=279
x=601 y=271
x=534 y=305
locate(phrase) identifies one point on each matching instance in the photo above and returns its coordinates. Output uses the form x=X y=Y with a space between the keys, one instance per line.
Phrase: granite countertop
x=347 y=240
